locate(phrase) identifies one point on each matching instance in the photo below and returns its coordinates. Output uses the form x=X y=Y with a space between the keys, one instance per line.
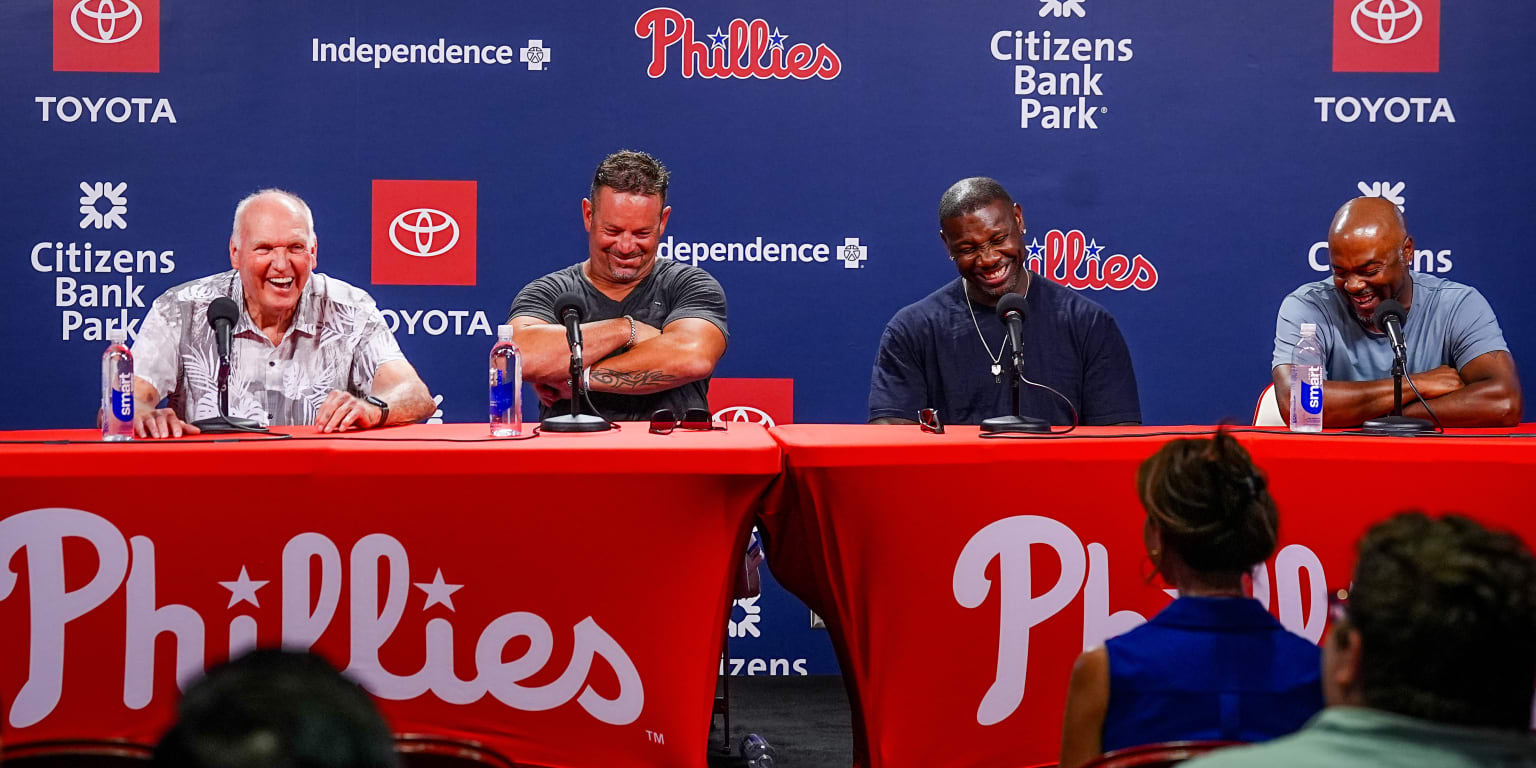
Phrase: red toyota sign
x=424 y=232
x=106 y=35
x=1386 y=35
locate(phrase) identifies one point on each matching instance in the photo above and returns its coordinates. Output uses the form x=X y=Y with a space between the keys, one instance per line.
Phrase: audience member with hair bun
x=1214 y=664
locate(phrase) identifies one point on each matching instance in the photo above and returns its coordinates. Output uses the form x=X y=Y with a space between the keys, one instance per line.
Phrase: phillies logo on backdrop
x=424 y=232
x=1386 y=35
x=743 y=49
x=308 y=598
x=755 y=401
x=106 y=35
x=1073 y=260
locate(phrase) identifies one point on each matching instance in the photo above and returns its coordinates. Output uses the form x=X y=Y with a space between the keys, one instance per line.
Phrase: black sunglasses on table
x=696 y=419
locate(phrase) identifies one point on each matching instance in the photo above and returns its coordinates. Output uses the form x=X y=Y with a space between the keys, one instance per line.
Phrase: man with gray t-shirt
x=1457 y=356
x=655 y=329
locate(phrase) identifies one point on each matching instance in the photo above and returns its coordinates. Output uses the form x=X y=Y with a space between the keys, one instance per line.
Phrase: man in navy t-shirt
x=949 y=351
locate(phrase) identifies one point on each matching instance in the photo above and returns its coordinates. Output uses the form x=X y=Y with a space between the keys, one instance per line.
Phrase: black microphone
x=570 y=308
x=1389 y=318
x=1011 y=309
x=222 y=314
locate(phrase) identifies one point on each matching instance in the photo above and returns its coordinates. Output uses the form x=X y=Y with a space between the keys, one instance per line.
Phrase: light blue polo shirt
x=1448 y=324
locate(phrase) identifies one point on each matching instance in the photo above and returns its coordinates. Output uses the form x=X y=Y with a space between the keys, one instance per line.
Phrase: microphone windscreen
x=1388 y=308
x=1012 y=303
x=223 y=309
x=568 y=301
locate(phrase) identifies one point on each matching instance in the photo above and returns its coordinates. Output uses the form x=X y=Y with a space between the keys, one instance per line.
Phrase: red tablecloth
x=960 y=577
x=561 y=599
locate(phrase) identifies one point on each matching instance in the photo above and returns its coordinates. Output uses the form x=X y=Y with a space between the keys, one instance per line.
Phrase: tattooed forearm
x=631 y=379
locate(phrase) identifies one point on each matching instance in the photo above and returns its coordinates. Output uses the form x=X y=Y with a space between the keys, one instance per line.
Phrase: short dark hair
x=276 y=709
x=967 y=195
x=634 y=172
x=1211 y=503
x=1446 y=611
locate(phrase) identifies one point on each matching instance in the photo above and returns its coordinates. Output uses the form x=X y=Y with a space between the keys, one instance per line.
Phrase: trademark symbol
x=654 y=737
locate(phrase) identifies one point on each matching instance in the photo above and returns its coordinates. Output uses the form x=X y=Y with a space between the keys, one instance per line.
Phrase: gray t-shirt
x=1448 y=324
x=672 y=291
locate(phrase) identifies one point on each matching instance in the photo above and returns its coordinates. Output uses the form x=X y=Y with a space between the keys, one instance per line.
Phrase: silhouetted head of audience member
x=1439 y=624
x=1210 y=517
x=277 y=709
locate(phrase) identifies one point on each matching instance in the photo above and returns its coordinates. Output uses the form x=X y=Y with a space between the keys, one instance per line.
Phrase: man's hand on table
x=342 y=411
x=159 y=422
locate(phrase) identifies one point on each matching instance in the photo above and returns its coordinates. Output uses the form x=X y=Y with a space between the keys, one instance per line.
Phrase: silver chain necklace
x=997 y=359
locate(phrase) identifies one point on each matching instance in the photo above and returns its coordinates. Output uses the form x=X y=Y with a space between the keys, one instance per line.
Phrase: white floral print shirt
x=337 y=340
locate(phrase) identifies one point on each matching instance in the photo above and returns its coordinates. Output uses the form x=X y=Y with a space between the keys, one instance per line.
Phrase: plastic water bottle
x=1307 y=377
x=506 y=385
x=117 y=387
x=757 y=752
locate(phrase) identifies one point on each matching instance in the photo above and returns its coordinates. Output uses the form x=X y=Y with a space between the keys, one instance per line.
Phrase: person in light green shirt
x=1430 y=658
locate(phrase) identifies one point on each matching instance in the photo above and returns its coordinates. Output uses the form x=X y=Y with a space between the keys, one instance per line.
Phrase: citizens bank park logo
x=424 y=232
x=97 y=286
x=106 y=35
x=1427 y=260
x=1060 y=88
x=1077 y=261
x=740 y=49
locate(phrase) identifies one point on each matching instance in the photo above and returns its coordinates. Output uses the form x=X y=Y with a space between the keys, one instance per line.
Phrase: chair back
x=1266 y=413
x=1157 y=755
x=77 y=753
x=426 y=751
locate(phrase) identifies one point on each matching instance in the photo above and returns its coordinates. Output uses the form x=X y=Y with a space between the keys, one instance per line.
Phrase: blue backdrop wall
x=1199 y=147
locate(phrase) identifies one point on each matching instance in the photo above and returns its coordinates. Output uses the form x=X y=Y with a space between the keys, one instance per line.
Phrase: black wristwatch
x=383 y=409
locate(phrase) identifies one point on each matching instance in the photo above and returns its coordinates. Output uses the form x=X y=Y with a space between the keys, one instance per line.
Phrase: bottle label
x=501 y=392
x=1312 y=391
x=122 y=398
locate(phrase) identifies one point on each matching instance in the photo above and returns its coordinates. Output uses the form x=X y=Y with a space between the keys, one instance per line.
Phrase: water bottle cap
x=504 y=332
x=1307 y=328
x=117 y=333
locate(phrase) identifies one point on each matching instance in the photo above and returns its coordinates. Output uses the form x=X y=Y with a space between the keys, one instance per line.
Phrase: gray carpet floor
x=805 y=719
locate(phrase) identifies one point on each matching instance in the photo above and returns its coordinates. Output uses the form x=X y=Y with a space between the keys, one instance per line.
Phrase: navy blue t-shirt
x=931 y=357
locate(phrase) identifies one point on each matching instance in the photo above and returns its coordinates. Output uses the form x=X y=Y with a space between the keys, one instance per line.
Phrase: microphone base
x=1397 y=426
x=224 y=425
x=575 y=422
x=1023 y=424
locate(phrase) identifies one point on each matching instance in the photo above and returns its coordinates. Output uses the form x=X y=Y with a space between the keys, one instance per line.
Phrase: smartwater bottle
x=117 y=387
x=1307 y=377
x=506 y=385
x=757 y=752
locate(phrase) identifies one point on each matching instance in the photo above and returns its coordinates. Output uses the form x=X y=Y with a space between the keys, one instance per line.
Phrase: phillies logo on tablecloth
x=1073 y=260
x=106 y=35
x=1022 y=605
x=424 y=232
x=741 y=49
x=309 y=591
x=755 y=401
x=1386 y=35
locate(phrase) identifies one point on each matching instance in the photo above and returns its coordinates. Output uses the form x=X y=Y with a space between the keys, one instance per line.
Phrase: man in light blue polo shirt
x=1456 y=352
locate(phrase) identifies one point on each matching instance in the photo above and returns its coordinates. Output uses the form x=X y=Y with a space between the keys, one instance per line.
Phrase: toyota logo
x=106 y=16
x=745 y=414
x=424 y=224
x=1391 y=17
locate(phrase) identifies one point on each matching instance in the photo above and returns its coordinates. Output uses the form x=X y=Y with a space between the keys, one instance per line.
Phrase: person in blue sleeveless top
x=1214 y=664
